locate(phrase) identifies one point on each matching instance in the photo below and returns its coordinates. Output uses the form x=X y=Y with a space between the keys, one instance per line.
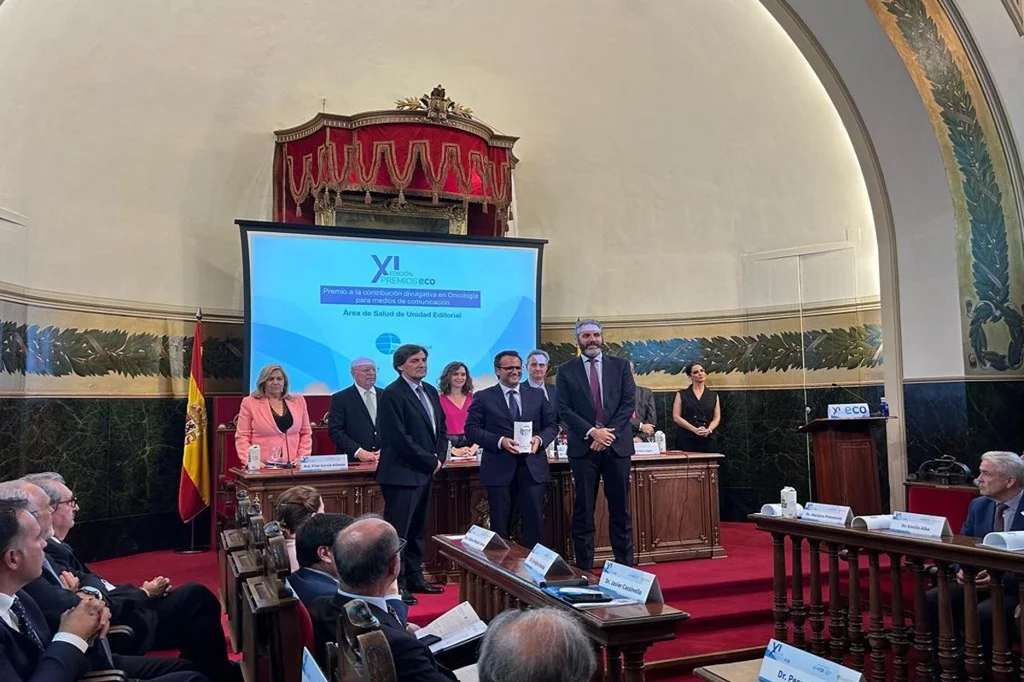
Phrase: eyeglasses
x=517 y=368
x=73 y=503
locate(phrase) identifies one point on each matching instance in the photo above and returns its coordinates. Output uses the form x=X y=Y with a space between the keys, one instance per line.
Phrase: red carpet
x=729 y=600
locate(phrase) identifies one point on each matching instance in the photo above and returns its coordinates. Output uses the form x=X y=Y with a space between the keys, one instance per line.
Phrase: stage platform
x=729 y=599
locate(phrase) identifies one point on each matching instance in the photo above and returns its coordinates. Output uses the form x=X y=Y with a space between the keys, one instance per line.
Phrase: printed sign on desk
x=646 y=449
x=482 y=539
x=830 y=514
x=849 y=411
x=547 y=564
x=631 y=582
x=323 y=463
x=785 y=663
x=920 y=525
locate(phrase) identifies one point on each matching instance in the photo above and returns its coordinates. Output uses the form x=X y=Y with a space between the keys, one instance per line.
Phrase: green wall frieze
x=851 y=348
x=37 y=350
x=976 y=161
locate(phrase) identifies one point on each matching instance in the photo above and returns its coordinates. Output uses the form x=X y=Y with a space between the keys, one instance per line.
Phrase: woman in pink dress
x=456 y=387
x=274 y=419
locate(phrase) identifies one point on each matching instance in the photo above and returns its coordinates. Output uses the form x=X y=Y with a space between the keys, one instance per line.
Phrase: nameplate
x=546 y=563
x=920 y=525
x=324 y=463
x=631 y=583
x=785 y=663
x=829 y=514
x=849 y=411
x=646 y=449
x=482 y=539
x=310 y=670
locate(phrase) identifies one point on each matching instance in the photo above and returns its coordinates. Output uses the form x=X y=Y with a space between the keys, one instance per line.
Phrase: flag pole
x=195 y=433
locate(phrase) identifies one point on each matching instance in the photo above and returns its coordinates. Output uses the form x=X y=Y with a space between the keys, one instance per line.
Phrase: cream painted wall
x=685 y=134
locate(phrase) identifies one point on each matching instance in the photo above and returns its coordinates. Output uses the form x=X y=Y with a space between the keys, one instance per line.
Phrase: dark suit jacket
x=413 y=660
x=645 y=412
x=552 y=394
x=618 y=396
x=410 y=449
x=488 y=420
x=981 y=516
x=21 y=660
x=349 y=423
x=310 y=585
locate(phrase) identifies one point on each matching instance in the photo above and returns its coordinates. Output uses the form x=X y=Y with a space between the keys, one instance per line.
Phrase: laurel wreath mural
x=31 y=349
x=837 y=348
x=989 y=250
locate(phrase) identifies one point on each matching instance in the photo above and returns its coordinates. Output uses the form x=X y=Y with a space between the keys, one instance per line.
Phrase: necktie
x=999 y=524
x=595 y=394
x=24 y=624
x=371 y=404
x=48 y=567
x=393 y=610
x=426 y=406
x=513 y=406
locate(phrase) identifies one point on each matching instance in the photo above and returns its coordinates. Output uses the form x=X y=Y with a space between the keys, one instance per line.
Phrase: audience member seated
x=366 y=555
x=27 y=650
x=352 y=423
x=456 y=389
x=317 y=576
x=536 y=645
x=998 y=509
x=185 y=617
x=274 y=419
x=294 y=507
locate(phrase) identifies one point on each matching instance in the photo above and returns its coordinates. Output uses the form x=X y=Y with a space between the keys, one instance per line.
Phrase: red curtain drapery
x=390 y=152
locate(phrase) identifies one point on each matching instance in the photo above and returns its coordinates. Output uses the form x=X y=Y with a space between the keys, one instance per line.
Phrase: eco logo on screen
x=395 y=275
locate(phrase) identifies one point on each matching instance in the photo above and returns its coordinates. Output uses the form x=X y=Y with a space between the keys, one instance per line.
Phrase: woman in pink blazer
x=273 y=419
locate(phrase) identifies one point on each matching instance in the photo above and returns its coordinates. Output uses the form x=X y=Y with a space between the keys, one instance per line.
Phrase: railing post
x=796 y=609
x=972 y=629
x=898 y=635
x=855 y=626
x=817 y=609
x=779 y=610
x=876 y=631
x=836 y=612
x=947 y=638
x=922 y=637
x=1001 y=657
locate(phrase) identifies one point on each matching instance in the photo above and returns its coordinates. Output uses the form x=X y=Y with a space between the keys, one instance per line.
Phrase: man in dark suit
x=414 y=448
x=999 y=509
x=367 y=556
x=537 y=362
x=645 y=417
x=317 y=575
x=352 y=423
x=184 y=617
x=508 y=474
x=28 y=653
x=596 y=400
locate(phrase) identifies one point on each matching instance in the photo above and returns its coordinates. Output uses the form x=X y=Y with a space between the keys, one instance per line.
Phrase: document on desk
x=467 y=674
x=459 y=625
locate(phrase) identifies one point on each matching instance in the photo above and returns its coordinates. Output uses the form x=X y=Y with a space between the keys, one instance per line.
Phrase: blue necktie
x=513 y=406
x=426 y=406
x=25 y=625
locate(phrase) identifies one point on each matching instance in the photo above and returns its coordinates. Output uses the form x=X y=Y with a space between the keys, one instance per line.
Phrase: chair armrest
x=104 y=676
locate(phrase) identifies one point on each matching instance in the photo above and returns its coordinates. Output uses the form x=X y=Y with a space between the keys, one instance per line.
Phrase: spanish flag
x=194 y=488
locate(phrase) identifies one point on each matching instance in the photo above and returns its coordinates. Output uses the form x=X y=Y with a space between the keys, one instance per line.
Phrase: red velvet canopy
x=433 y=153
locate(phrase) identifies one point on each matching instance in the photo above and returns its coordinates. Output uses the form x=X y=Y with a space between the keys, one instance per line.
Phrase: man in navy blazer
x=415 y=445
x=352 y=421
x=998 y=509
x=317 y=575
x=508 y=474
x=596 y=399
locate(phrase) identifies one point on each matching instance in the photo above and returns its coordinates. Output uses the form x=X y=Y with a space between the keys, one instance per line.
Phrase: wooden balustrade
x=897 y=642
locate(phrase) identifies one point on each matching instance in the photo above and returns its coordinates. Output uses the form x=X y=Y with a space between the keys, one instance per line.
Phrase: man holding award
x=513 y=423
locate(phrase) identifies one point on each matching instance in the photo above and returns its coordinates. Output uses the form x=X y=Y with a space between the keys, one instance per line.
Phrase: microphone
x=860 y=398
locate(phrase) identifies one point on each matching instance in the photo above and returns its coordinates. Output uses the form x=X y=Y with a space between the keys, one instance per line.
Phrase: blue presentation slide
x=316 y=302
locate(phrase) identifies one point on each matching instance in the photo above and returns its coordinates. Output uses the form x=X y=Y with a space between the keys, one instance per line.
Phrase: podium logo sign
x=849 y=411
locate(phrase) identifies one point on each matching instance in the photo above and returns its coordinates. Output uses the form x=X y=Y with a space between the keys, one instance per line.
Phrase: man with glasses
x=163 y=616
x=352 y=423
x=512 y=476
x=368 y=557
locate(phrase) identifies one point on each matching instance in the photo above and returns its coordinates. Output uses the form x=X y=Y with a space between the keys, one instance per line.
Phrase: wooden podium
x=846 y=463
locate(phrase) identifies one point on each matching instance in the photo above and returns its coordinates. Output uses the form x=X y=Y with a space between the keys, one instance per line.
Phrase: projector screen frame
x=262 y=226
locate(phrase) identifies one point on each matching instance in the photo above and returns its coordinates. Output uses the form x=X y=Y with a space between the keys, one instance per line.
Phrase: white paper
x=872 y=522
x=776 y=510
x=829 y=514
x=523 y=436
x=459 y=625
x=1012 y=540
x=646 y=449
x=467 y=674
x=920 y=525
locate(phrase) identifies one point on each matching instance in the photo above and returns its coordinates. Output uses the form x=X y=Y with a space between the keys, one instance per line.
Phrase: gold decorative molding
x=436 y=104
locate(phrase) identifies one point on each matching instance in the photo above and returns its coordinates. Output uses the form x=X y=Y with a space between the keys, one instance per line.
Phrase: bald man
x=536 y=645
x=367 y=557
x=352 y=423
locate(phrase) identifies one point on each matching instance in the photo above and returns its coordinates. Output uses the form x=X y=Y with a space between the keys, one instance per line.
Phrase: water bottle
x=254 y=458
x=789 y=510
x=659 y=438
x=883 y=407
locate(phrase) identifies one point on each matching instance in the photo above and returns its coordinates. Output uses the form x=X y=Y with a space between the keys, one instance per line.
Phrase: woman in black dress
x=696 y=411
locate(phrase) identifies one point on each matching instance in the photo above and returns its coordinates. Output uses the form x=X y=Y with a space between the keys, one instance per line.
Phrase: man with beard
x=596 y=399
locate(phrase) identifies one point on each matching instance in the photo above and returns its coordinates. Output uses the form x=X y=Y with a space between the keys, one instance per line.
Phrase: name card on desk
x=785 y=663
x=546 y=563
x=829 y=514
x=646 y=449
x=324 y=463
x=849 y=411
x=631 y=582
x=920 y=525
x=482 y=539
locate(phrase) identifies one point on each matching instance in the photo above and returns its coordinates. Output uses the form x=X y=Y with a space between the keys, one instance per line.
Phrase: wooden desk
x=495 y=581
x=673 y=499
x=741 y=671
